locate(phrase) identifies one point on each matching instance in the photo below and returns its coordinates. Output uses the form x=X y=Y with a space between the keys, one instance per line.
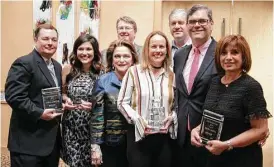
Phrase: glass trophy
x=211 y=126
x=156 y=115
x=52 y=98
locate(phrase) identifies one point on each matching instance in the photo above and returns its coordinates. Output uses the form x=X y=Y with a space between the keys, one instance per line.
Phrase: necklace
x=226 y=83
x=156 y=67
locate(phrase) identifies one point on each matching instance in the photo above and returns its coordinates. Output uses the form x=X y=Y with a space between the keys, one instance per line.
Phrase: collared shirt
x=203 y=49
x=50 y=66
x=138 y=88
x=174 y=48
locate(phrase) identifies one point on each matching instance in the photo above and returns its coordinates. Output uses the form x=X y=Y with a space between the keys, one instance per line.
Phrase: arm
x=97 y=115
x=97 y=123
x=256 y=112
x=16 y=90
x=124 y=98
x=65 y=71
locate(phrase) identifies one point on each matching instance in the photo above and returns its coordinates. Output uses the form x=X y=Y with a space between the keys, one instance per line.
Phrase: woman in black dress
x=239 y=98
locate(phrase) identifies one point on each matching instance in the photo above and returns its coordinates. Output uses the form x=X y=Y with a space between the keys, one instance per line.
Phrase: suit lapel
x=209 y=57
x=183 y=60
x=43 y=67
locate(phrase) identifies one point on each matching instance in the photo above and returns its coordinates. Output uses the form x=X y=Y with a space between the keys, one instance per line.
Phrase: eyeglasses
x=201 y=22
x=124 y=28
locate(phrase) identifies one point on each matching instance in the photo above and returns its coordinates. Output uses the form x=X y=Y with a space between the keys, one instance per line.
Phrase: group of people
x=110 y=98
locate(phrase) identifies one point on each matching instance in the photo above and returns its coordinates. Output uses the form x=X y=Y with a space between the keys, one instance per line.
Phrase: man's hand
x=49 y=114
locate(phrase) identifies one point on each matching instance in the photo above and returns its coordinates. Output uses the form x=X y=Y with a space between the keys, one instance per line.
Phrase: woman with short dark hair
x=237 y=97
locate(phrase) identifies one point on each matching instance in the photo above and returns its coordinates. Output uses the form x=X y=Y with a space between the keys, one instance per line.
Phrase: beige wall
x=257 y=27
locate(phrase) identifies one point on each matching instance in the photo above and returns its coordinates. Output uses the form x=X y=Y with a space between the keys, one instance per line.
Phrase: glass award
x=156 y=115
x=52 y=98
x=211 y=126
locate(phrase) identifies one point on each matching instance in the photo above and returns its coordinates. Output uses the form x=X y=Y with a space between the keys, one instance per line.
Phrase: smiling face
x=199 y=27
x=85 y=53
x=157 y=50
x=122 y=59
x=125 y=31
x=231 y=59
x=178 y=28
x=46 y=42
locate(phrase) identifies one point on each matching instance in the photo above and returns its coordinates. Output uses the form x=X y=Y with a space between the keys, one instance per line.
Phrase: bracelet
x=230 y=147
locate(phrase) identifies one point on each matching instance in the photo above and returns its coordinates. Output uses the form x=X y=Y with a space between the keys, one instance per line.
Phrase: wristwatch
x=230 y=147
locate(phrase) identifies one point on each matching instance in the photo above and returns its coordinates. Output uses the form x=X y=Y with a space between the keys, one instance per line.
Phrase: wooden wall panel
x=257 y=28
x=220 y=10
x=141 y=11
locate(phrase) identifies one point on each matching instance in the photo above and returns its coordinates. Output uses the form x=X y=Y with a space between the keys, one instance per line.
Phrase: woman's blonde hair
x=145 y=62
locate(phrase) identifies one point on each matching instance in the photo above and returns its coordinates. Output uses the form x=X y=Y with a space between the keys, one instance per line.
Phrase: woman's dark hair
x=113 y=46
x=76 y=63
x=240 y=43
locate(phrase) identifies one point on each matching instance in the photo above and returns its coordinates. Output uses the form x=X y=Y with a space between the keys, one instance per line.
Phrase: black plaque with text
x=52 y=98
x=211 y=126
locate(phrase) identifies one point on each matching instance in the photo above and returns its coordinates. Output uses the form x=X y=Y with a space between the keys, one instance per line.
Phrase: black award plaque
x=211 y=126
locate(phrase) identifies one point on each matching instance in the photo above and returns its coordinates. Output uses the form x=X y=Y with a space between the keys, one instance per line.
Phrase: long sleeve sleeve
x=124 y=105
x=124 y=98
x=16 y=90
x=97 y=116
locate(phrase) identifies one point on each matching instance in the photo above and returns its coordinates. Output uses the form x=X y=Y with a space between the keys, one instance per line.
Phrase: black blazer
x=191 y=104
x=28 y=133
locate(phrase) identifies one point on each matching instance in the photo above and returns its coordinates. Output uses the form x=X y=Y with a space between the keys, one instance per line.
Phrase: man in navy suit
x=34 y=132
x=194 y=67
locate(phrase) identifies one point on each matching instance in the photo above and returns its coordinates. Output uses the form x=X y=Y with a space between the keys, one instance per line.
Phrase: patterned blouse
x=138 y=88
x=107 y=124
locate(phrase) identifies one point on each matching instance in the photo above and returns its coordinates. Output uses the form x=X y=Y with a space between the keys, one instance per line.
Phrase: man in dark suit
x=34 y=132
x=194 y=67
x=126 y=29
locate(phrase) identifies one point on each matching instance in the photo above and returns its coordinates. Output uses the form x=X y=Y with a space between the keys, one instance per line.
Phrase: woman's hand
x=68 y=105
x=262 y=141
x=216 y=147
x=168 y=121
x=85 y=105
x=96 y=155
x=195 y=137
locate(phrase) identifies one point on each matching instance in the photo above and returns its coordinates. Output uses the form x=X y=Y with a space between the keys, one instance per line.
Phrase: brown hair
x=167 y=61
x=241 y=44
x=113 y=46
x=128 y=20
x=77 y=65
x=43 y=26
x=198 y=7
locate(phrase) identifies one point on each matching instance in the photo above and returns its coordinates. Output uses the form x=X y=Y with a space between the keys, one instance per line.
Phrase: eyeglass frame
x=127 y=28
x=199 y=22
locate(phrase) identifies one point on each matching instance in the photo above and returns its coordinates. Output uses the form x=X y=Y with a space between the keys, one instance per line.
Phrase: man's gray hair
x=174 y=12
x=197 y=7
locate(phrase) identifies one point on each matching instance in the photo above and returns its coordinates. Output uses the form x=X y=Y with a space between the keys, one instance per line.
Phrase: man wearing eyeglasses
x=126 y=29
x=178 y=29
x=194 y=67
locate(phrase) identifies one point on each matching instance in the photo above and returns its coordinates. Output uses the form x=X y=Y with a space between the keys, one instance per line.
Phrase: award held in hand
x=211 y=126
x=52 y=98
x=156 y=116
